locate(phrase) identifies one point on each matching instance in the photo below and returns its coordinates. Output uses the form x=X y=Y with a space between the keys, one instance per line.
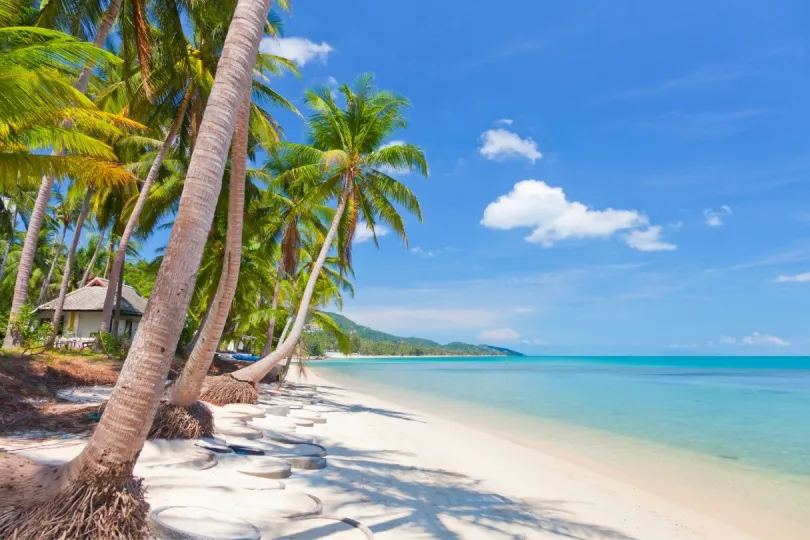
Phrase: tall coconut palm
x=349 y=152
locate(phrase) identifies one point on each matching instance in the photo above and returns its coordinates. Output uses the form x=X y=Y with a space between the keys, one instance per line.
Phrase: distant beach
x=724 y=441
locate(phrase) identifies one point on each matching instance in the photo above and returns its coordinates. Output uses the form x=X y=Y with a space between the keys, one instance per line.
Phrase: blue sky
x=606 y=177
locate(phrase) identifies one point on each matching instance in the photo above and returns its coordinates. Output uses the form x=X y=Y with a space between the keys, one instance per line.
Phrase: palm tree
x=348 y=150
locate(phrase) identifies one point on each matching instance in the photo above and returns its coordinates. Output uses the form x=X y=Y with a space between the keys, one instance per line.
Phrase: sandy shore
x=411 y=475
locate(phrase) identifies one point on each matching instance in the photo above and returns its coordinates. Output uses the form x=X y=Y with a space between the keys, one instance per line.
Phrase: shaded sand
x=407 y=474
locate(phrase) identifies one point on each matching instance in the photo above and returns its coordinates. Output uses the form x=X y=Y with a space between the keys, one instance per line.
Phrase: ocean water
x=751 y=410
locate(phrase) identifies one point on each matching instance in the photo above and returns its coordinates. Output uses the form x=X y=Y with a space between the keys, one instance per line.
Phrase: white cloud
x=535 y=341
x=364 y=233
x=524 y=310
x=500 y=143
x=331 y=81
x=798 y=278
x=501 y=334
x=427 y=253
x=714 y=218
x=505 y=122
x=535 y=204
x=299 y=50
x=648 y=240
x=756 y=339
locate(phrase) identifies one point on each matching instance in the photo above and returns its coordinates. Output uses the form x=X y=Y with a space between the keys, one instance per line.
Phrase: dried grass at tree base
x=178 y=422
x=88 y=508
x=225 y=389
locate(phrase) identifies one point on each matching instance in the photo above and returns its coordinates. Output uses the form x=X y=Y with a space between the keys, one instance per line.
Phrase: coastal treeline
x=119 y=120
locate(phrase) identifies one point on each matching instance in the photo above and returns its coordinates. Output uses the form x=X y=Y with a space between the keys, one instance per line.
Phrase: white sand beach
x=404 y=474
x=407 y=474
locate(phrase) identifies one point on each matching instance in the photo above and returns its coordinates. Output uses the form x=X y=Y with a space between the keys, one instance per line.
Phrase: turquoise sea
x=751 y=410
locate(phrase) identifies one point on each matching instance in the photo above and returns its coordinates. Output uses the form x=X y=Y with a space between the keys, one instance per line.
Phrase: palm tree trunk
x=196 y=336
x=8 y=246
x=286 y=329
x=118 y=265
x=37 y=216
x=286 y=369
x=256 y=371
x=110 y=251
x=56 y=322
x=189 y=384
x=271 y=329
x=13 y=339
x=118 y=295
x=89 y=270
x=57 y=251
x=104 y=29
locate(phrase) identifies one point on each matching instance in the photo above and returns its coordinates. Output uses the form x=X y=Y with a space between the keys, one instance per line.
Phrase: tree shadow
x=436 y=502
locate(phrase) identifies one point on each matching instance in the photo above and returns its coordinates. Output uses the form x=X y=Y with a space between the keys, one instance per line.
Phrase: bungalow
x=83 y=307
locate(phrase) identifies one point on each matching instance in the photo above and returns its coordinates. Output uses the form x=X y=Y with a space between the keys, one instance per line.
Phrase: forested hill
x=373 y=342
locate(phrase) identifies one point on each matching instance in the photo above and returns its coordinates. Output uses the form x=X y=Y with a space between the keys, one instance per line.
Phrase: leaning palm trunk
x=187 y=387
x=13 y=337
x=57 y=251
x=95 y=495
x=256 y=371
x=118 y=295
x=89 y=270
x=268 y=344
x=286 y=369
x=56 y=322
x=8 y=247
x=132 y=222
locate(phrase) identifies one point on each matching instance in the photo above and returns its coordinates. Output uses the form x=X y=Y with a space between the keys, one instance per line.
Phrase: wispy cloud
x=706 y=125
x=714 y=218
x=500 y=334
x=505 y=122
x=700 y=77
x=500 y=54
x=797 y=278
x=756 y=339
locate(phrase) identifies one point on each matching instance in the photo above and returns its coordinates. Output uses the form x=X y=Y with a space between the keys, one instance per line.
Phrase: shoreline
x=721 y=501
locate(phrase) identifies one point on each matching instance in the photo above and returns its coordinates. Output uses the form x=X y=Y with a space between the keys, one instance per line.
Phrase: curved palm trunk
x=256 y=371
x=43 y=290
x=89 y=270
x=56 y=322
x=118 y=295
x=8 y=246
x=13 y=339
x=110 y=251
x=196 y=337
x=271 y=329
x=118 y=265
x=189 y=384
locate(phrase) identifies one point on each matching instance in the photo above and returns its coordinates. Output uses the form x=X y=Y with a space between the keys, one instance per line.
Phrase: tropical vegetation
x=119 y=120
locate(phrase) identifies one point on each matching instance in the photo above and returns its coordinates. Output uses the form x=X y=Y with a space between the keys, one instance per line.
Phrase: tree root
x=225 y=389
x=179 y=422
x=88 y=507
